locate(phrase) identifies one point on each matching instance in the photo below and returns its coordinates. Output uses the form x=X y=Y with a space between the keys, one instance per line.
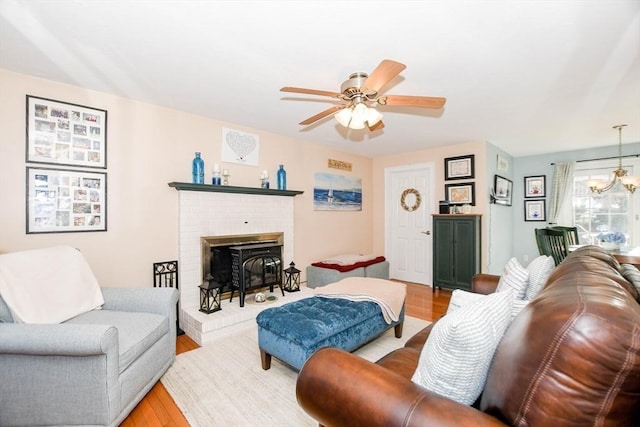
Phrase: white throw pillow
x=460 y=298
x=48 y=285
x=455 y=359
x=514 y=277
x=518 y=305
x=539 y=270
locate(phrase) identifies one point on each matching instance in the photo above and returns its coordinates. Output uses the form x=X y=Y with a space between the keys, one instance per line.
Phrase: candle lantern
x=210 y=293
x=292 y=278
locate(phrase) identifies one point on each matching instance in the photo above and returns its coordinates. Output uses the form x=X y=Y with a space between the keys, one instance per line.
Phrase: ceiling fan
x=360 y=94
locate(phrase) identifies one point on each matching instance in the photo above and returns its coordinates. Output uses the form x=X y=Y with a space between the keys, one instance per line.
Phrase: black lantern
x=210 y=293
x=292 y=278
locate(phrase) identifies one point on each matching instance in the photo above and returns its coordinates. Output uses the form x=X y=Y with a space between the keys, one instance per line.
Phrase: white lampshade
x=630 y=180
x=343 y=116
x=360 y=113
x=373 y=116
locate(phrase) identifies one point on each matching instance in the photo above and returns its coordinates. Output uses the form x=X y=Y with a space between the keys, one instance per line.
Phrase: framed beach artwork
x=333 y=192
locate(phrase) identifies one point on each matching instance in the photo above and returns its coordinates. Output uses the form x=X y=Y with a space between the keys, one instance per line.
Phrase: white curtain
x=561 y=186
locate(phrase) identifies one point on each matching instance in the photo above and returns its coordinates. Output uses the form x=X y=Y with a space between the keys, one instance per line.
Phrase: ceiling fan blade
x=377 y=126
x=322 y=114
x=310 y=91
x=383 y=74
x=413 y=101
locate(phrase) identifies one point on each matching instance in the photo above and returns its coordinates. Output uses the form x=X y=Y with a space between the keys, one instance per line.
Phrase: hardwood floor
x=159 y=409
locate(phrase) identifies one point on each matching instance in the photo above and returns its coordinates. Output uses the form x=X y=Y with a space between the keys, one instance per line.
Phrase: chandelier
x=619 y=175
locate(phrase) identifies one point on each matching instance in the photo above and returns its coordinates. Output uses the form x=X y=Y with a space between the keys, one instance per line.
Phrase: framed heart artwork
x=240 y=147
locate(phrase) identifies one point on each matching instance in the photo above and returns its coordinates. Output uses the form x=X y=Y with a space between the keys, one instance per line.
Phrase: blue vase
x=282 y=178
x=197 y=169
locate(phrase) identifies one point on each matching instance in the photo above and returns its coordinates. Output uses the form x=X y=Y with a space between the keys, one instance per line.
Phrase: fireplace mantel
x=187 y=186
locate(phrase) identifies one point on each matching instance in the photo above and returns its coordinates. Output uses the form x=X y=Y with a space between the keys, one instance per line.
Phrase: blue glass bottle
x=197 y=169
x=282 y=178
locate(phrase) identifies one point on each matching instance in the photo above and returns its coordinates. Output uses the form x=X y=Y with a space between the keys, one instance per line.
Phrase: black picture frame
x=461 y=194
x=535 y=186
x=535 y=210
x=502 y=190
x=61 y=133
x=65 y=200
x=460 y=167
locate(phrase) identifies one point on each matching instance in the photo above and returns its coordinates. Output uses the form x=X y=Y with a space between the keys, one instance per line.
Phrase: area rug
x=223 y=383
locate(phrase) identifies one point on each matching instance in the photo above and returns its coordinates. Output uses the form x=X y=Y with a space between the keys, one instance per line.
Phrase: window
x=613 y=210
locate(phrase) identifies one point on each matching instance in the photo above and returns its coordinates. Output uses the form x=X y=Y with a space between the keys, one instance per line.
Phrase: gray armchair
x=92 y=369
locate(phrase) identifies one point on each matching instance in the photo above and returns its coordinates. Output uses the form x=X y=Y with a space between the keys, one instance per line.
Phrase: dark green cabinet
x=456 y=250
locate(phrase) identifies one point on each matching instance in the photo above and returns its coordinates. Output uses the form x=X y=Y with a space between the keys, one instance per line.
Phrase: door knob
x=428 y=233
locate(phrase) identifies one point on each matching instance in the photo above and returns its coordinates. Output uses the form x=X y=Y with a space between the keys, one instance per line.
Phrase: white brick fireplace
x=207 y=214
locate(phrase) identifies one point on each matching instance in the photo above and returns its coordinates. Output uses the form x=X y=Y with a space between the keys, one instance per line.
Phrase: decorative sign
x=339 y=164
x=240 y=147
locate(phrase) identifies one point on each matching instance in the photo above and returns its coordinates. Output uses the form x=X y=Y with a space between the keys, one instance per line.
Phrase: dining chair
x=571 y=233
x=552 y=243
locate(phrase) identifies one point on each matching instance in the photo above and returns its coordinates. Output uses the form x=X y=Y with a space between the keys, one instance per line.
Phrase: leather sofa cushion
x=137 y=332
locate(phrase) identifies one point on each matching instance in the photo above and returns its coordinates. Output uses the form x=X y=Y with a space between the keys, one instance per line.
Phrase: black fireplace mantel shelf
x=187 y=186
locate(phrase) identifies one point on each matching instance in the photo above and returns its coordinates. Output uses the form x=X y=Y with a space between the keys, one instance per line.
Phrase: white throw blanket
x=388 y=295
x=48 y=285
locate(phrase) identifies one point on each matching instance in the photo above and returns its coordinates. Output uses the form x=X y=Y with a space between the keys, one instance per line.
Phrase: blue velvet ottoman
x=292 y=332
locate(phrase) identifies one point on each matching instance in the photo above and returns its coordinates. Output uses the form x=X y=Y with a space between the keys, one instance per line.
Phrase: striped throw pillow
x=514 y=277
x=455 y=359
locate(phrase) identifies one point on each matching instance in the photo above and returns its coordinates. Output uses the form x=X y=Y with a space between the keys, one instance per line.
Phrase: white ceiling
x=530 y=77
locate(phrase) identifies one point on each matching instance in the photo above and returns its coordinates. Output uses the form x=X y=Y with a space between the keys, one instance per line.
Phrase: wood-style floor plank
x=158 y=408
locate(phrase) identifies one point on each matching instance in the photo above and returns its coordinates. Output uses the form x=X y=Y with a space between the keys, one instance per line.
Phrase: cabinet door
x=465 y=253
x=443 y=261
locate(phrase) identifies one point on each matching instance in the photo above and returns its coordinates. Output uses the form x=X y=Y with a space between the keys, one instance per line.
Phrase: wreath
x=403 y=199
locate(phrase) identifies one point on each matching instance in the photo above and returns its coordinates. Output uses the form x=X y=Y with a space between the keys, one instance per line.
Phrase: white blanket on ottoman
x=388 y=295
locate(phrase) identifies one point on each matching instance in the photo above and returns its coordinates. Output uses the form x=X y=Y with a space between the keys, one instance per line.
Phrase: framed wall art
x=534 y=210
x=60 y=200
x=336 y=192
x=461 y=194
x=241 y=148
x=66 y=134
x=534 y=186
x=461 y=167
x=502 y=190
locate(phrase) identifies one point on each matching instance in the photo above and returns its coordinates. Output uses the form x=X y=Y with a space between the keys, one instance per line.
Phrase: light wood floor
x=159 y=409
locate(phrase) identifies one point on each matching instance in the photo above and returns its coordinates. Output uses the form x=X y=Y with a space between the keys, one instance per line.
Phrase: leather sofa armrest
x=338 y=388
x=484 y=283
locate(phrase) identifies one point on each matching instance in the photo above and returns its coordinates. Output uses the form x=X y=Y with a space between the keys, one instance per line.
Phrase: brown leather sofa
x=570 y=358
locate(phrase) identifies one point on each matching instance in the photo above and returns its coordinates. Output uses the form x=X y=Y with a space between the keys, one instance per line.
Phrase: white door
x=409 y=205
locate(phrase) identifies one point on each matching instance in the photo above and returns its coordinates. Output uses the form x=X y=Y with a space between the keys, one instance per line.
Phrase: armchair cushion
x=48 y=285
x=137 y=332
